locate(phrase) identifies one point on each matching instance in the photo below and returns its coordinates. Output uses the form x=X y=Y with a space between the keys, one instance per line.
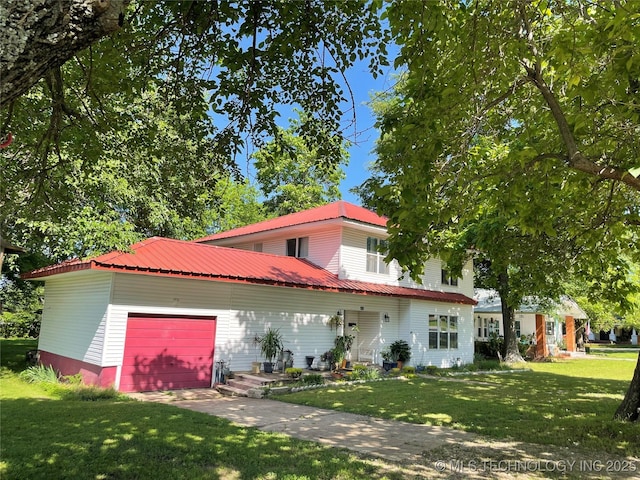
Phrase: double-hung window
x=376 y=251
x=443 y=332
x=298 y=247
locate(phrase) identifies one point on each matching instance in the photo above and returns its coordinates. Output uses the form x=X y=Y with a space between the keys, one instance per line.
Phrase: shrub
x=293 y=372
x=362 y=372
x=400 y=351
x=73 y=379
x=40 y=374
x=89 y=393
x=312 y=379
x=432 y=370
x=409 y=370
x=19 y=325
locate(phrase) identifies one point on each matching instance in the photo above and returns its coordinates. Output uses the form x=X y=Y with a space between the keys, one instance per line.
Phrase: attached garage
x=167 y=353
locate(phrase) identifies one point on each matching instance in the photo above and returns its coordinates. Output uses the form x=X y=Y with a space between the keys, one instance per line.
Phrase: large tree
x=293 y=177
x=161 y=108
x=515 y=123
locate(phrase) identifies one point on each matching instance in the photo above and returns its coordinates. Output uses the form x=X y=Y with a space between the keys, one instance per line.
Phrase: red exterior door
x=167 y=353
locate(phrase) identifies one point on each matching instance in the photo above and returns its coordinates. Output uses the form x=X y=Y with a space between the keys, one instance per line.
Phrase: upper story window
x=298 y=247
x=257 y=247
x=376 y=251
x=447 y=279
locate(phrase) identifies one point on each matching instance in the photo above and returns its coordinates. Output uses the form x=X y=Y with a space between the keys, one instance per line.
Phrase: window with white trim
x=376 y=251
x=483 y=329
x=443 y=332
x=298 y=247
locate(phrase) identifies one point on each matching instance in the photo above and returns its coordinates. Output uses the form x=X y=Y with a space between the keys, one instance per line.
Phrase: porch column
x=571 y=333
x=634 y=337
x=612 y=335
x=541 y=337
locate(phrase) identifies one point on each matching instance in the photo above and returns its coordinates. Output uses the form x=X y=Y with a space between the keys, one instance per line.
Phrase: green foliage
x=312 y=379
x=131 y=138
x=293 y=176
x=400 y=351
x=499 y=140
x=40 y=374
x=89 y=393
x=293 y=372
x=21 y=305
x=362 y=372
x=432 y=370
x=271 y=344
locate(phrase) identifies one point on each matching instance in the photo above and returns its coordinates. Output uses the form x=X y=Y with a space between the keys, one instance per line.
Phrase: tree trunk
x=510 y=350
x=38 y=35
x=629 y=409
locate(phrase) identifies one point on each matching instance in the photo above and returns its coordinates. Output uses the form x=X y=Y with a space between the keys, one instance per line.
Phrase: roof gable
x=331 y=211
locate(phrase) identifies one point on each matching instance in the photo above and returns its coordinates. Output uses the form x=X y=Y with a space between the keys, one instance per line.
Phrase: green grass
x=46 y=435
x=13 y=352
x=567 y=403
x=631 y=354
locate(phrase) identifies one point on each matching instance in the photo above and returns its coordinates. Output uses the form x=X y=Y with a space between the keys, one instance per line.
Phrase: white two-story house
x=160 y=315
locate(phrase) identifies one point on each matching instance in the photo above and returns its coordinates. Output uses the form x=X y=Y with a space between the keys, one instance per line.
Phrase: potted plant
x=387 y=359
x=400 y=351
x=335 y=321
x=337 y=353
x=255 y=366
x=326 y=360
x=270 y=346
x=343 y=346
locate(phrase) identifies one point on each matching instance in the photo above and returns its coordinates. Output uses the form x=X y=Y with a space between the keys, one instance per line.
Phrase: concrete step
x=232 y=391
x=254 y=379
x=243 y=384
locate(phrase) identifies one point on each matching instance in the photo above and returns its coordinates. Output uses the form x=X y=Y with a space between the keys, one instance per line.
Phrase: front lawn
x=47 y=436
x=566 y=403
x=629 y=352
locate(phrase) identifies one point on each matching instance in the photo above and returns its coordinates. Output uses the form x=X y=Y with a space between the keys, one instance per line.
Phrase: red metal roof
x=175 y=258
x=340 y=209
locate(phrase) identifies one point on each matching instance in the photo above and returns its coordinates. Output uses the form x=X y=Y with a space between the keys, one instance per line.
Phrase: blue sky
x=362 y=135
x=362 y=85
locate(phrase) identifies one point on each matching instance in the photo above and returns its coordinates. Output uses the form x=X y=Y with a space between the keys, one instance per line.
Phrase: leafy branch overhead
x=141 y=125
x=512 y=136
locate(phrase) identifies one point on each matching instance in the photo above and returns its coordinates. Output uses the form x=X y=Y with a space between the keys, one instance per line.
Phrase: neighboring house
x=159 y=316
x=544 y=326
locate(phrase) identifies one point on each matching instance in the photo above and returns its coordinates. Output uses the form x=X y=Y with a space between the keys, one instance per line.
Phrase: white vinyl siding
x=74 y=316
x=354 y=259
x=420 y=334
x=244 y=310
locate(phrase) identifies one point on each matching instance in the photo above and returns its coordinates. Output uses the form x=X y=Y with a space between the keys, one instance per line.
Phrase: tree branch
x=576 y=159
x=39 y=36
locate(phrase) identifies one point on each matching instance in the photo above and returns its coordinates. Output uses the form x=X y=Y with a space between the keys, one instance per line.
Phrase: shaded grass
x=13 y=352
x=64 y=439
x=50 y=435
x=569 y=404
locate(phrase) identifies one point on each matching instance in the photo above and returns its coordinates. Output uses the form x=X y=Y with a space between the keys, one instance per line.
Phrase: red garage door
x=167 y=353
